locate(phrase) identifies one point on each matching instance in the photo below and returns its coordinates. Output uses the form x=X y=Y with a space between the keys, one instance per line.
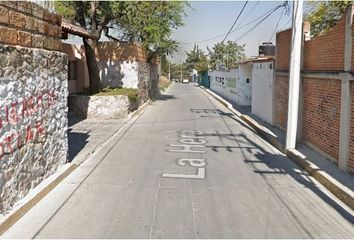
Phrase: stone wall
x=33 y=119
x=33 y=99
x=101 y=107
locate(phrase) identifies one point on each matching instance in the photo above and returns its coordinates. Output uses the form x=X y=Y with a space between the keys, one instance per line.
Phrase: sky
x=207 y=19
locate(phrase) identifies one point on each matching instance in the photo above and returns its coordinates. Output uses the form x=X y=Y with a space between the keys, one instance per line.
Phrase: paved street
x=188 y=168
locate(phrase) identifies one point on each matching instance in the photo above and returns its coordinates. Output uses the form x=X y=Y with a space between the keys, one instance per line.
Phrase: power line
x=220 y=35
x=235 y=21
x=243 y=19
x=252 y=28
x=276 y=27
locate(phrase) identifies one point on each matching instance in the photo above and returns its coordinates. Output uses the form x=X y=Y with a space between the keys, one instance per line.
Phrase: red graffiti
x=29 y=134
x=13 y=113
x=16 y=140
x=1 y=150
x=13 y=116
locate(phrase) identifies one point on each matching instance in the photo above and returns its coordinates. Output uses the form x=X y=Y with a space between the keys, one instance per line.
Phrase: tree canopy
x=149 y=23
x=196 y=59
x=228 y=53
x=324 y=15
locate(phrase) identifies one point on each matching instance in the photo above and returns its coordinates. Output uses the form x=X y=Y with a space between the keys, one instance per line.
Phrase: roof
x=71 y=28
x=258 y=59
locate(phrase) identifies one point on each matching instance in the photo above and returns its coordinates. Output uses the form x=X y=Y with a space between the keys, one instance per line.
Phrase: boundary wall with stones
x=33 y=99
x=326 y=116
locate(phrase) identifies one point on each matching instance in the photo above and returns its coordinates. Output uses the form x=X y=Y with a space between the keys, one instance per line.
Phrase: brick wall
x=351 y=139
x=322 y=97
x=353 y=48
x=321 y=114
x=281 y=101
x=326 y=52
x=283 y=50
x=27 y=24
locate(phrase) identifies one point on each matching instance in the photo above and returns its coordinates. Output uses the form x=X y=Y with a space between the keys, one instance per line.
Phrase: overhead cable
x=243 y=8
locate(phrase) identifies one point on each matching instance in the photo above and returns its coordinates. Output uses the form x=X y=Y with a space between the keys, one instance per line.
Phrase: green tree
x=196 y=59
x=228 y=53
x=147 y=23
x=324 y=15
x=151 y=23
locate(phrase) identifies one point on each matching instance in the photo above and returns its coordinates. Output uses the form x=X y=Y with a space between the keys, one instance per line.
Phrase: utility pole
x=294 y=74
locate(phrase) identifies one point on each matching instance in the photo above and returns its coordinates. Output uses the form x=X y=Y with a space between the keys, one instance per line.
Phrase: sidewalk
x=339 y=183
x=85 y=136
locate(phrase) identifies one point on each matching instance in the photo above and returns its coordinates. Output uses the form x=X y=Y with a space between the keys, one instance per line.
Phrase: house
x=121 y=64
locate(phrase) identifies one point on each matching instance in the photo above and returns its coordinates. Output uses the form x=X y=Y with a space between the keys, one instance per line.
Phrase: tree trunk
x=92 y=65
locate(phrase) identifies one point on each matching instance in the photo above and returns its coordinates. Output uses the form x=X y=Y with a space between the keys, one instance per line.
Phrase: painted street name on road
x=191 y=142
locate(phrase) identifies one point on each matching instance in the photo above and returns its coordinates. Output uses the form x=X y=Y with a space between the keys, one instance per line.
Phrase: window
x=72 y=70
x=247 y=80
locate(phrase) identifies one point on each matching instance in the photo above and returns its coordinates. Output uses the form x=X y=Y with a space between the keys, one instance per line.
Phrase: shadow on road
x=273 y=163
x=165 y=97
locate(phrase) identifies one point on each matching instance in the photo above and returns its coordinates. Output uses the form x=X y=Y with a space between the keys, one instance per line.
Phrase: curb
x=44 y=188
x=25 y=207
x=336 y=188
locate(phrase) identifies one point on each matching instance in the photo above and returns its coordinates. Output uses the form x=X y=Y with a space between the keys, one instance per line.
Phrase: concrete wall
x=121 y=64
x=33 y=99
x=244 y=84
x=233 y=84
x=119 y=74
x=262 y=90
x=224 y=84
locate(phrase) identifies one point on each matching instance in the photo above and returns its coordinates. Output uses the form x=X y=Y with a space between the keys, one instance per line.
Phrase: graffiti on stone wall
x=19 y=111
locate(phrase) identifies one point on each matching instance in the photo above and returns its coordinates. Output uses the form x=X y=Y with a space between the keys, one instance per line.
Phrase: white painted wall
x=262 y=90
x=224 y=84
x=244 y=84
x=119 y=74
x=233 y=85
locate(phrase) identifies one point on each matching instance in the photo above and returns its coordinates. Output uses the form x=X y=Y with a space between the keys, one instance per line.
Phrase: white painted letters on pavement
x=190 y=141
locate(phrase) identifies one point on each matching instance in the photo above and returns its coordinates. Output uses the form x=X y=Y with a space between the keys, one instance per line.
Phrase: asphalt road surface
x=188 y=168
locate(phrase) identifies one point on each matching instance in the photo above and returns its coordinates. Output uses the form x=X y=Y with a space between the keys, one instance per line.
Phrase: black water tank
x=267 y=49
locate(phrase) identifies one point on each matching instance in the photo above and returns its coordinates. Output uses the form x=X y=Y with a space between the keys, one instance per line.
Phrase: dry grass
x=164 y=83
x=109 y=91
